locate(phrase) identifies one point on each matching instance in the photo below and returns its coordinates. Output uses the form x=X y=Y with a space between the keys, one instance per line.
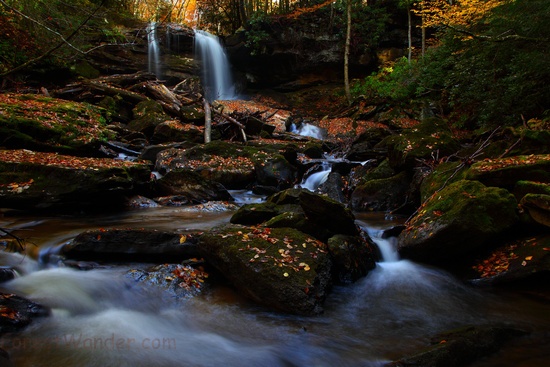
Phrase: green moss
x=439 y=177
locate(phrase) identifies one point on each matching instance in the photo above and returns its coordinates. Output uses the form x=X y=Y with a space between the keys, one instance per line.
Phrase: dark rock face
x=131 y=245
x=17 y=312
x=352 y=257
x=280 y=268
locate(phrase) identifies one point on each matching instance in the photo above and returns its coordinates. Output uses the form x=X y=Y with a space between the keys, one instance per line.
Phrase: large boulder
x=131 y=245
x=39 y=181
x=280 y=268
x=308 y=212
x=37 y=122
x=461 y=219
x=385 y=194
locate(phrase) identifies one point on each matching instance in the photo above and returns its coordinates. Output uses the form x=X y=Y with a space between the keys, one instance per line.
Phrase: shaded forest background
x=479 y=63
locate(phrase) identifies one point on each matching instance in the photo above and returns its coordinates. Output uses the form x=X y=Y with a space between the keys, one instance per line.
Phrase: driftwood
x=207 y=121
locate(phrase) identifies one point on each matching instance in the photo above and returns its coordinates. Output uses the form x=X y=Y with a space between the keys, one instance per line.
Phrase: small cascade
x=153 y=50
x=216 y=78
x=317 y=178
x=306 y=129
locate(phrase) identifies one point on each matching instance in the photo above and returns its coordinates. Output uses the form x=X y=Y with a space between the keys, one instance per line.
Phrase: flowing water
x=101 y=318
x=217 y=80
x=153 y=50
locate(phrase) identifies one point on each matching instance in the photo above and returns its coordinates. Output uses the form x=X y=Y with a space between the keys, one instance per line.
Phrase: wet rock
x=310 y=213
x=276 y=172
x=524 y=261
x=280 y=268
x=188 y=184
x=460 y=347
x=17 y=312
x=461 y=219
x=131 y=245
x=352 y=257
x=179 y=281
x=7 y=273
x=141 y=202
x=334 y=187
x=362 y=148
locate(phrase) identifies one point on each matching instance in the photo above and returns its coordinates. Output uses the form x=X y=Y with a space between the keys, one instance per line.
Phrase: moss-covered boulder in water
x=280 y=268
x=352 y=257
x=460 y=219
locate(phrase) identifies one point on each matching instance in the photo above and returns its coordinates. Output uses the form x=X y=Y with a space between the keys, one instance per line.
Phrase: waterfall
x=153 y=50
x=216 y=78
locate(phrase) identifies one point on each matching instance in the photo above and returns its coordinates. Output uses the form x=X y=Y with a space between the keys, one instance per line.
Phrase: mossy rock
x=523 y=188
x=280 y=268
x=42 y=123
x=364 y=173
x=276 y=172
x=506 y=172
x=460 y=220
x=68 y=183
x=428 y=139
x=301 y=209
x=385 y=194
x=174 y=131
x=147 y=115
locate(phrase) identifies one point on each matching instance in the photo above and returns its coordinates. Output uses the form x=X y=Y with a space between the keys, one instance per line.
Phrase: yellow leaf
x=183 y=238
x=529 y=258
x=285 y=275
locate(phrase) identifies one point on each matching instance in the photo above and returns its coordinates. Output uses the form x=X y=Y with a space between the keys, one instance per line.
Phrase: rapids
x=102 y=318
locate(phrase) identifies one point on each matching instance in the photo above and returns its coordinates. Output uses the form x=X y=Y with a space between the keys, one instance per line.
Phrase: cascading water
x=153 y=50
x=306 y=129
x=216 y=78
x=314 y=180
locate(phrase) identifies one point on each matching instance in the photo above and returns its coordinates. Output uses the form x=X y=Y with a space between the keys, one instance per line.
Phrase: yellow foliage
x=455 y=13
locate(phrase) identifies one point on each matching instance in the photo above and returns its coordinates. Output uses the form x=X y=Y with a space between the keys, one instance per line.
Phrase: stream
x=102 y=318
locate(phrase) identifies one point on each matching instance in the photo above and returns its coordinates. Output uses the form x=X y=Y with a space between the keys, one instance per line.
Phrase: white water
x=217 y=80
x=310 y=130
x=153 y=50
x=316 y=179
x=101 y=318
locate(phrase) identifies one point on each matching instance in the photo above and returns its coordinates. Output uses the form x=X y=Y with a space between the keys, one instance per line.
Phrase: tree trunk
x=346 y=52
x=207 y=121
x=409 y=35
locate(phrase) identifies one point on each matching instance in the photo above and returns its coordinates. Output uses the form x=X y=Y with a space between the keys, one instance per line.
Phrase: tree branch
x=64 y=41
